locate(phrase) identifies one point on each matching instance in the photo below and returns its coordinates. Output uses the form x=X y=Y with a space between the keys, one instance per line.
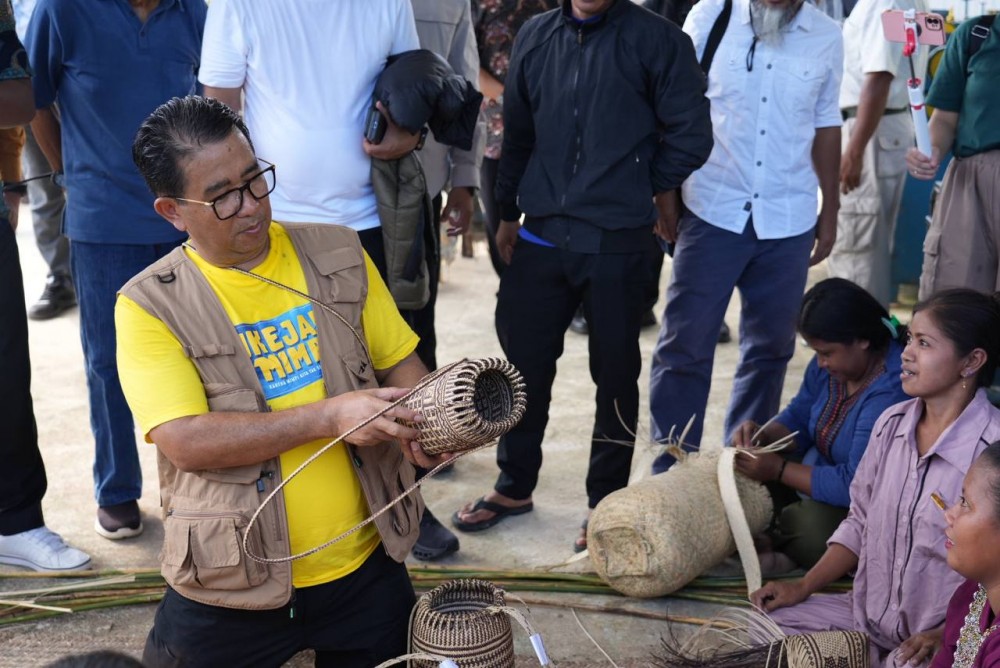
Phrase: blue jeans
x=709 y=263
x=99 y=271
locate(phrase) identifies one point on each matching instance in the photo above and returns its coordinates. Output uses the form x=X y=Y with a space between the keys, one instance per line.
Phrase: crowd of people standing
x=198 y=158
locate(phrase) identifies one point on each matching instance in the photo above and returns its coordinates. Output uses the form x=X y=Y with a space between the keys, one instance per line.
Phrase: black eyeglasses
x=229 y=203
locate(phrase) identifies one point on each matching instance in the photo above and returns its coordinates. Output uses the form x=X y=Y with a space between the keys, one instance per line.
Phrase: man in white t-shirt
x=307 y=72
x=877 y=132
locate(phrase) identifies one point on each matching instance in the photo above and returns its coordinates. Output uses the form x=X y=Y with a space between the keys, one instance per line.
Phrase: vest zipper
x=264 y=488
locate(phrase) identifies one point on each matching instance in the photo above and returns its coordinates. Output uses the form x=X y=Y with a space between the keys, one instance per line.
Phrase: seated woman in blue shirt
x=854 y=376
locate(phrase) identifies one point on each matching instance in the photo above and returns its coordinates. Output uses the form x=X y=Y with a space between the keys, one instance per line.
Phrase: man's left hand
x=415 y=454
x=851 y=163
x=826 y=235
x=458 y=212
x=396 y=143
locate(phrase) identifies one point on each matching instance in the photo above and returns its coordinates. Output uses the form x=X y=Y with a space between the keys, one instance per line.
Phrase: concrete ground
x=465 y=329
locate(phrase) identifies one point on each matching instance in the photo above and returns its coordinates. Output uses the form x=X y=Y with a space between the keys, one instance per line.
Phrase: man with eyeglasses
x=242 y=354
x=109 y=64
x=751 y=222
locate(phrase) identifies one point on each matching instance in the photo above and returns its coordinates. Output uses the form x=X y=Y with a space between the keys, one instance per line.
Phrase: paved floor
x=465 y=329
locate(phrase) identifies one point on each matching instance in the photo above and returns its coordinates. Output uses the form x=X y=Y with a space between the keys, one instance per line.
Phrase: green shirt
x=971 y=88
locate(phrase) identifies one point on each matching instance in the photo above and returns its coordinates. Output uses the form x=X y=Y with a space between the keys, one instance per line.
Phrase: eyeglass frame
x=243 y=188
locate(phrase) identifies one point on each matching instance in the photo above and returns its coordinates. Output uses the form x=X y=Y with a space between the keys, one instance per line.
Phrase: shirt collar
x=957 y=445
x=804 y=19
x=164 y=4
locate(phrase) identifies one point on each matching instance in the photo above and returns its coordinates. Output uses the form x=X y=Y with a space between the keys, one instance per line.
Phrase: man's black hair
x=174 y=131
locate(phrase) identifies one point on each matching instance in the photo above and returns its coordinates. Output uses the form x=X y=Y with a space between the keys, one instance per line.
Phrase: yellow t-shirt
x=278 y=332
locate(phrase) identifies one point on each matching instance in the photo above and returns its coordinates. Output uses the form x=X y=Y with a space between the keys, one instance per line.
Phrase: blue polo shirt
x=108 y=71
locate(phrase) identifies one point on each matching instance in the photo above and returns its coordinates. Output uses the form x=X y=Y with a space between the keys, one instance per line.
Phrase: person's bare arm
x=405 y=373
x=871 y=108
x=226 y=439
x=17 y=105
x=231 y=97
x=835 y=563
x=48 y=134
x=826 y=161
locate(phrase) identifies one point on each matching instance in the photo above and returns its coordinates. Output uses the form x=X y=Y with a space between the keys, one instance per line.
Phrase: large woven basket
x=465 y=621
x=468 y=405
x=655 y=536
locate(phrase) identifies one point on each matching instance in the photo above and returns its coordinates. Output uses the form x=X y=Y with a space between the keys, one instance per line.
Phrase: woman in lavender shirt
x=893 y=536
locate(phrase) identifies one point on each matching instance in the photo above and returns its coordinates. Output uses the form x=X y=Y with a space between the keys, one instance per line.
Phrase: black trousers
x=357 y=621
x=24 y=472
x=539 y=293
x=421 y=320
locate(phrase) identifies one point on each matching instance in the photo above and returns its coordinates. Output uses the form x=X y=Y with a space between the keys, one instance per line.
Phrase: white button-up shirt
x=764 y=121
x=866 y=50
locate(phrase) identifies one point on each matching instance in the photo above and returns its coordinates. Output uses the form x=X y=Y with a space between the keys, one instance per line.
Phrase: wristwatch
x=423 y=138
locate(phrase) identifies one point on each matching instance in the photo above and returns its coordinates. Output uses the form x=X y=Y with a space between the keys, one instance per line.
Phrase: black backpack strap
x=978 y=36
x=715 y=36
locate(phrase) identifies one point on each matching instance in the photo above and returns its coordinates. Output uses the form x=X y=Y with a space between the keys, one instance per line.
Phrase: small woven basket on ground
x=470 y=404
x=464 y=620
x=655 y=536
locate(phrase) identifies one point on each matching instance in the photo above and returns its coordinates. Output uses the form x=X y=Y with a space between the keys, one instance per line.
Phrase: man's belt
x=852 y=112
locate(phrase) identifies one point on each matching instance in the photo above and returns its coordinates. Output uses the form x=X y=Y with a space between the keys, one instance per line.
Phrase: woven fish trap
x=655 y=536
x=465 y=621
x=470 y=404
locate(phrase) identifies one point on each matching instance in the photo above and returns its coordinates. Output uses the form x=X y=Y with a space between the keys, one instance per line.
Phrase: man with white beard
x=878 y=130
x=750 y=221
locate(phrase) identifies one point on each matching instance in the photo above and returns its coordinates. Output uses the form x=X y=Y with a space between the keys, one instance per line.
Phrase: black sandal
x=499 y=513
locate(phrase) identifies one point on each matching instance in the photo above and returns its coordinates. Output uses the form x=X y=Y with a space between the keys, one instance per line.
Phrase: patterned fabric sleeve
x=13 y=59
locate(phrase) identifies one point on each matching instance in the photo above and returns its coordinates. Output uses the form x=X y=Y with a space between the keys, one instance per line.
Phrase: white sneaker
x=41 y=549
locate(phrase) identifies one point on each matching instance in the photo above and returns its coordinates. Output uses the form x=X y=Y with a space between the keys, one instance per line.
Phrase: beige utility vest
x=205 y=513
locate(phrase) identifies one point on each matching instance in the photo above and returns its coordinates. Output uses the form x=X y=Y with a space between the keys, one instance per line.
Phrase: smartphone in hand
x=375 y=125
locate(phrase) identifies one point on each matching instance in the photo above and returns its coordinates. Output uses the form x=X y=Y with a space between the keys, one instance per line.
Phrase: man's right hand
x=780 y=594
x=506 y=238
x=348 y=410
x=668 y=213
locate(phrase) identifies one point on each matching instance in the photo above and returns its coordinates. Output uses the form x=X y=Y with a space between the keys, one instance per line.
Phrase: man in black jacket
x=604 y=110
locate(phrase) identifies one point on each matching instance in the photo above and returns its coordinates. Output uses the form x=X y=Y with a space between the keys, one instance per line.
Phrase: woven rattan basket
x=470 y=404
x=465 y=621
x=655 y=536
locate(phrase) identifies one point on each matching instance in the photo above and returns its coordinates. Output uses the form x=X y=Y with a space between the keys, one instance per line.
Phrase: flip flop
x=577 y=546
x=500 y=512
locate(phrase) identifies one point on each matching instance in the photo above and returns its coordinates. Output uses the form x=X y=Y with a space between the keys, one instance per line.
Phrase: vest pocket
x=205 y=550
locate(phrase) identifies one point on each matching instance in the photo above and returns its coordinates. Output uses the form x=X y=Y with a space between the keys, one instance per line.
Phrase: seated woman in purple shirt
x=893 y=536
x=973 y=543
x=852 y=379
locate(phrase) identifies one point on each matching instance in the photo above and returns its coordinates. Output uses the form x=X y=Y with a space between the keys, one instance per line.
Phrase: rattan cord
x=459 y=448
